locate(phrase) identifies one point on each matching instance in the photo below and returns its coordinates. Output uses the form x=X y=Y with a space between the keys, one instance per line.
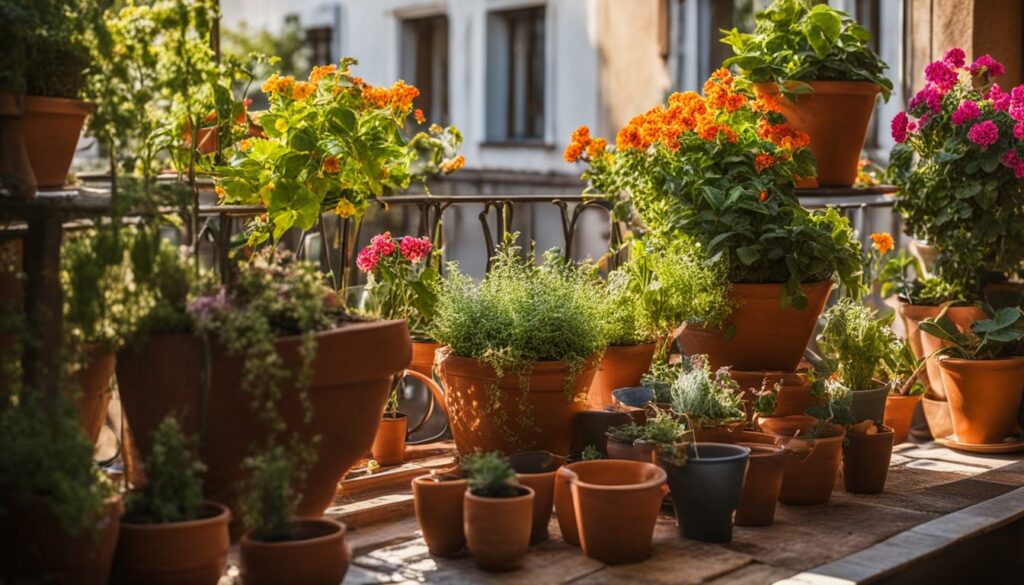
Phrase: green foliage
x=44 y=45
x=706 y=398
x=270 y=498
x=489 y=475
x=590 y=453
x=174 y=490
x=766 y=399
x=800 y=40
x=998 y=337
x=163 y=280
x=856 y=342
x=836 y=408
x=288 y=48
x=661 y=428
x=400 y=286
x=660 y=378
x=624 y=319
x=897 y=368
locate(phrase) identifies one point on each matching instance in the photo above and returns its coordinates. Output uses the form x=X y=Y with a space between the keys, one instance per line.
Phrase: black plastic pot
x=706 y=490
x=869 y=404
x=591 y=426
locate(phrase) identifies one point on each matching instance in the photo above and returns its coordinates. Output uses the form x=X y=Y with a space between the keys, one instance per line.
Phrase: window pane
x=425 y=64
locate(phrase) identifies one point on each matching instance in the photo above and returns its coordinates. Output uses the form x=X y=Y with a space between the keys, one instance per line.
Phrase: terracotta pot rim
x=659 y=478
x=762 y=450
x=827 y=87
x=338 y=530
x=546 y=366
x=904 y=396
x=503 y=501
x=1006 y=363
x=431 y=480
x=222 y=515
x=886 y=431
x=57 y=105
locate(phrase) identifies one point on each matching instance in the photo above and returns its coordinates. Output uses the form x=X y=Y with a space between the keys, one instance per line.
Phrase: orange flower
x=597 y=147
x=764 y=196
x=783 y=135
x=245 y=145
x=211 y=116
x=221 y=193
x=581 y=136
x=882 y=242
x=418 y=114
x=766 y=103
x=278 y=84
x=331 y=165
x=399 y=96
x=572 y=152
x=763 y=161
x=450 y=166
x=319 y=73
x=302 y=90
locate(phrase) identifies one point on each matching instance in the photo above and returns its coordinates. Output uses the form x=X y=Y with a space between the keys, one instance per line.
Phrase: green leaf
x=748 y=254
x=304 y=140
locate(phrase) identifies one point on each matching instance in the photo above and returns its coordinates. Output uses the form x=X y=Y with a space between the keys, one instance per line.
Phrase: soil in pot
x=899 y=411
x=498 y=529
x=491 y=414
x=706 y=489
x=592 y=426
x=438 y=503
x=767 y=336
x=786 y=426
x=609 y=507
x=762 y=485
x=984 y=397
x=622 y=366
x=389 y=442
x=173 y=553
x=866 y=457
x=627 y=450
x=52 y=127
x=869 y=404
x=315 y=555
x=536 y=470
x=794 y=390
x=811 y=467
x=836 y=118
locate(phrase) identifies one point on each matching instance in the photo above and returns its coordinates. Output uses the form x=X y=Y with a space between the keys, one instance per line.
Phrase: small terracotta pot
x=498 y=529
x=963 y=318
x=836 y=118
x=316 y=556
x=866 y=461
x=899 y=410
x=984 y=397
x=762 y=486
x=52 y=127
x=767 y=337
x=609 y=507
x=92 y=385
x=536 y=470
x=639 y=451
x=794 y=390
x=786 y=426
x=811 y=467
x=389 y=442
x=706 y=489
x=869 y=404
x=438 y=504
x=192 y=552
x=592 y=426
x=423 y=356
x=622 y=366
x=936 y=413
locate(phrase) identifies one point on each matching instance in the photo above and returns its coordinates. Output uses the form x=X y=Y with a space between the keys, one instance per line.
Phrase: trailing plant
x=856 y=342
x=706 y=398
x=401 y=281
x=795 y=41
x=489 y=475
x=174 y=489
x=270 y=497
x=997 y=337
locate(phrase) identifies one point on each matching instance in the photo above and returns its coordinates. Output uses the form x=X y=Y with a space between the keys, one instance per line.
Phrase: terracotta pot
x=963 y=318
x=592 y=426
x=786 y=426
x=811 y=467
x=351 y=379
x=866 y=461
x=609 y=507
x=706 y=490
x=794 y=390
x=389 y=442
x=15 y=167
x=869 y=404
x=317 y=555
x=491 y=414
x=35 y=549
x=52 y=127
x=728 y=433
x=536 y=470
x=619 y=449
x=984 y=397
x=423 y=357
x=899 y=410
x=767 y=337
x=498 y=529
x=936 y=413
x=193 y=552
x=92 y=385
x=622 y=366
x=761 y=487
x=836 y=118
x=438 y=504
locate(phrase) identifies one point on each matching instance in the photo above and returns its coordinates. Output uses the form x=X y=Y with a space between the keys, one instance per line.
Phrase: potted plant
x=638 y=442
x=772 y=418
x=742 y=207
x=438 y=501
x=706 y=482
x=867 y=453
x=709 y=401
x=903 y=373
x=168 y=533
x=498 y=513
x=536 y=470
x=820 y=61
x=522 y=348
x=279 y=548
x=983 y=372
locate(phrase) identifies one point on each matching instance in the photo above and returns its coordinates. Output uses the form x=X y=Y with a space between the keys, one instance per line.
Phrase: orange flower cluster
x=320 y=72
x=399 y=96
x=719 y=94
x=578 y=144
x=450 y=166
x=882 y=242
x=782 y=135
x=278 y=84
x=763 y=161
x=418 y=114
x=767 y=104
x=302 y=90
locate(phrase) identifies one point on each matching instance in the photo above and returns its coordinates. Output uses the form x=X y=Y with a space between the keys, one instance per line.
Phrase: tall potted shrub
x=819 y=61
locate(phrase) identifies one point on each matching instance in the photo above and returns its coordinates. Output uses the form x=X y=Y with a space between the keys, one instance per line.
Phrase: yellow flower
x=302 y=90
x=345 y=208
x=882 y=242
x=281 y=125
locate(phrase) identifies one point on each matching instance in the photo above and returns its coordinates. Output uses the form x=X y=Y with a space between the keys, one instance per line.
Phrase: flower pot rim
x=904 y=396
x=57 y=105
x=542 y=366
x=988 y=364
x=222 y=515
x=559 y=459
x=835 y=86
x=338 y=530
x=528 y=495
x=884 y=431
x=659 y=478
x=744 y=453
x=435 y=479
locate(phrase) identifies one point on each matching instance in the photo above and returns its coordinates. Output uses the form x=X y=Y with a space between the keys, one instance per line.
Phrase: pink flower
x=1000 y=99
x=991 y=66
x=928 y=95
x=1018 y=130
x=382 y=244
x=984 y=134
x=416 y=249
x=899 y=127
x=939 y=73
x=1017 y=103
x=367 y=259
x=967 y=111
x=955 y=58
x=1012 y=161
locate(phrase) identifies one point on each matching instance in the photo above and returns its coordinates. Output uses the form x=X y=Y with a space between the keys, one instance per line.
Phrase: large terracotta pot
x=794 y=390
x=984 y=397
x=389 y=442
x=491 y=414
x=438 y=504
x=352 y=375
x=866 y=461
x=609 y=507
x=767 y=337
x=811 y=467
x=92 y=384
x=316 y=556
x=536 y=470
x=174 y=553
x=52 y=127
x=498 y=529
x=836 y=118
x=963 y=318
x=621 y=367
x=35 y=549
x=761 y=486
x=899 y=410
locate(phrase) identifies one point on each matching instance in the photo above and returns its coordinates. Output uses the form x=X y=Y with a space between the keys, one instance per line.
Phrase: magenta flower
x=382 y=244
x=1018 y=130
x=1000 y=99
x=899 y=127
x=1010 y=160
x=367 y=259
x=1017 y=103
x=955 y=58
x=416 y=249
x=929 y=95
x=940 y=74
x=989 y=65
x=967 y=111
x=984 y=134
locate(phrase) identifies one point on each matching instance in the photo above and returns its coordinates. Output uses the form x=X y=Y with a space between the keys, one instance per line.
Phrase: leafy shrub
x=174 y=489
x=1000 y=336
x=490 y=475
x=856 y=342
x=707 y=398
x=270 y=499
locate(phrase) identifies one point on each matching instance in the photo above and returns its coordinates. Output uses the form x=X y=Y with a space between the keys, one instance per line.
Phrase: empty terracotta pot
x=786 y=426
x=836 y=118
x=963 y=318
x=389 y=442
x=622 y=366
x=498 y=529
x=52 y=127
x=438 y=503
x=609 y=507
x=869 y=404
x=866 y=461
x=899 y=410
x=531 y=412
x=767 y=337
x=638 y=451
x=536 y=470
x=762 y=485
x=811 y=467
x=794 y=390
x=317 y=555
x=706 y=489
x=192 y=552
x=984 y=397
x=92 y=385
x=936 y=413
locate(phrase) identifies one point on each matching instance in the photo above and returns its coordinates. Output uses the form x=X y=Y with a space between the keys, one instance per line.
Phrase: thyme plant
x=174 y=487
x=490 y=475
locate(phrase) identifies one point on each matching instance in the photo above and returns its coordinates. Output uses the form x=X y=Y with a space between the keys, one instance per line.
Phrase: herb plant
x=174 y=489
x=836 y=406
x=489 y=475
x=660 y=379
x=998 y=337
x=856 y=342
x=661 y=428
x=270 y=498
x=706 y=398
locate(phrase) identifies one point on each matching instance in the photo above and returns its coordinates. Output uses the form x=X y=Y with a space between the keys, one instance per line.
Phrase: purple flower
x=955 y=58
x=899 y=127
x=967 y=111
x=984 y=134
x=205 y=307
x=1000 y=99
x=940 y=74
x=991 y=66
x=929 y=95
